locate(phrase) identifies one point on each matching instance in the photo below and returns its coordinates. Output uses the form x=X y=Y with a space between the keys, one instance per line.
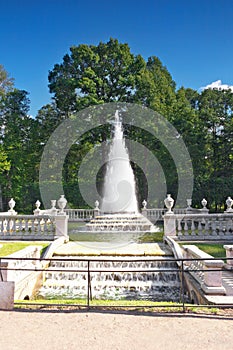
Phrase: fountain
x=120 y=273
x=119 y=205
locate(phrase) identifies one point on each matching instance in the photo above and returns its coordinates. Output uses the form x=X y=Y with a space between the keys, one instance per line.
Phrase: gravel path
x=59 y=330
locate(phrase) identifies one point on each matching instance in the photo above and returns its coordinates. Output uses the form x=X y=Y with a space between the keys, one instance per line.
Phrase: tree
x=94 y=74
x=6 y=83
x=155 y=87
x=16 y=144
x=215 y=112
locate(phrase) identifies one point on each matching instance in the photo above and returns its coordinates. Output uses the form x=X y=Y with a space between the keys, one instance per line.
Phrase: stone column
x=229 y=256
x=7 y=290
x=169 y=225
x=213 y=277
x=61 y=223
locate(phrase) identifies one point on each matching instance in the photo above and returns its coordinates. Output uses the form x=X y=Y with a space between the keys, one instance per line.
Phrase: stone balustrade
x=199 y=226
x=80 y=214
x=26 y=227
x=156 y=214
x=204 y=269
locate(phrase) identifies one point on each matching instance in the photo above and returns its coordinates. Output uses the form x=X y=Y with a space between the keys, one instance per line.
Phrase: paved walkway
x=112 y=249
x=112 y=331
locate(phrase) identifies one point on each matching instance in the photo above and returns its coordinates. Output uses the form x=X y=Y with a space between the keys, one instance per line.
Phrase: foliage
x=110 y=72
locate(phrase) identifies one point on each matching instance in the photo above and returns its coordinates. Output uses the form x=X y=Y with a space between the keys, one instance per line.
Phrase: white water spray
x=119 y=191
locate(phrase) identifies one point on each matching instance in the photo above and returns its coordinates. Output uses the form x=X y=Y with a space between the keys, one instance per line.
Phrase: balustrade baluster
x=213 y=226
x=228 y=227
x=2 y=226
x=45 y=228
x=193 y=233
x=220 y=227
x=26 y=228
x=179 y=228
x=206 y=232
x=199 y=228
x=20 y=225
x=33 y=226
x=13 y=226
x=7 y=227
x=186 y=233
x=40 y=221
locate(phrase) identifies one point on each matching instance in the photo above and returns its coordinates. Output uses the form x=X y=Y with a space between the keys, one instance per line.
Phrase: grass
x=116 y=305
x=12 y=247
x=214 y=249
x=151 y=237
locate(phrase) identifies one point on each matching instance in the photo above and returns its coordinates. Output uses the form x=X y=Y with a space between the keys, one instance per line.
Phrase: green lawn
x=214 y=249
x=12 y=247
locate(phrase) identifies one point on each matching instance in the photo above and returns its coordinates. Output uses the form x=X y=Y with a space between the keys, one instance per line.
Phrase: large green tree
x=92 y=75
x=109 y=72
x=16 y=144
x=215 y=113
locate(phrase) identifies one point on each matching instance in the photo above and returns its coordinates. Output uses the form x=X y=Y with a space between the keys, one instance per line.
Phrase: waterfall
x=151 y=279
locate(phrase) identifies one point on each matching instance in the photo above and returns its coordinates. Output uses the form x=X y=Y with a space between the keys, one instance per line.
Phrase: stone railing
x=199 y=226
x=21 y=268
x=15 y=267
x=80 y=214
x=204 y=269
x=26 y=227
x=157 y=213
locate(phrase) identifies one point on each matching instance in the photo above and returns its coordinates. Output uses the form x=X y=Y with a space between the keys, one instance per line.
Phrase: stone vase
x=169 y=202
x=229 y=203
x=62 y=203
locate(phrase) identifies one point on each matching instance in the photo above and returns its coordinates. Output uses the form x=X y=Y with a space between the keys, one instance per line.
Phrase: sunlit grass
x=12 y=247
x=116 y=305
x=214 y=249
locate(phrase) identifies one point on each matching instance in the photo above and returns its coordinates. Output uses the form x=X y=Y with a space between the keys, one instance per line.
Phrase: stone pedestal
x=169 y=225
x=7 y=290
x=229 y=256
x=61 y=222
x=213 y=277
x=96 y=212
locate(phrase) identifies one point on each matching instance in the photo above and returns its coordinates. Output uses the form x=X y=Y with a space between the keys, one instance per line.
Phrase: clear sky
x=193 y=38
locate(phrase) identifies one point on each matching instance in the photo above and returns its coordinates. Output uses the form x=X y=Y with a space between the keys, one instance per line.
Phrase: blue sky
x=193 y=38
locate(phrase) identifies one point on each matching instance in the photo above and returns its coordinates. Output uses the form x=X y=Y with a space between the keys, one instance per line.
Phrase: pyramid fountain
x=119 y=205
x=117 y=271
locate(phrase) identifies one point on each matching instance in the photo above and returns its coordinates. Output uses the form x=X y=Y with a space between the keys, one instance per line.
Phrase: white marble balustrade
x=80 y=214
x=200 y=226
x=26 y=227
x=155 y=214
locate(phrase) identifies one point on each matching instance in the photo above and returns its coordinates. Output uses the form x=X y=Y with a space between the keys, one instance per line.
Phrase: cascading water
x=119 y=191
x=145 y=280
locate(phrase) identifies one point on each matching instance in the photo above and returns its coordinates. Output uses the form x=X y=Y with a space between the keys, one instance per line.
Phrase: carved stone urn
x=144 y=204
x=11 y=204
x=37 y=210
x=189 y=203
x=169 y=202
x=229 y=203
x=62 y=203
x=204 y=203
